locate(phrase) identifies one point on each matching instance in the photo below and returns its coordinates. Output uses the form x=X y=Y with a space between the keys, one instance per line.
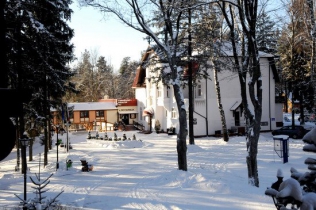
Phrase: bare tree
x=139 y=15
x=246 y=61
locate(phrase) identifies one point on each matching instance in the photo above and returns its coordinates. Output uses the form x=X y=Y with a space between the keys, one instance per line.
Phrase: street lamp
x=61 y=131
x=24 y=142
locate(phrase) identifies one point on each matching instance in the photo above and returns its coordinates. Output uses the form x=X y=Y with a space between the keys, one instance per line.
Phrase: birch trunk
x=219 y=103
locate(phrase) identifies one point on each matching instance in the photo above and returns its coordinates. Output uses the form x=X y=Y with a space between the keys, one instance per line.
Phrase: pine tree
x=38 y=53
x=295 y=56
x=40 y=201
x=126 y=77
x=266 y=34
x=93 y=79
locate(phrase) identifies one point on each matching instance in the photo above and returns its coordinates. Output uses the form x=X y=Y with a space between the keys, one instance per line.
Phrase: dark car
x=297 y=132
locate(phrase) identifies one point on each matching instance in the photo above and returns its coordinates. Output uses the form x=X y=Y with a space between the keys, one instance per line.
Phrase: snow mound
x=9 y=179
x=194 y=149
x=290 y=188
x=309 y=148
x=309 y=201
x=128 y=144
x=310 y=137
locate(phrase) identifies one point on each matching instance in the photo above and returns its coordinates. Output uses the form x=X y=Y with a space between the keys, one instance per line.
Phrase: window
x=84 y=114
x=173 y=113
x=158 y=91
x=132 y=116
x=167 y=91
x=99 y=113
x=198 y=93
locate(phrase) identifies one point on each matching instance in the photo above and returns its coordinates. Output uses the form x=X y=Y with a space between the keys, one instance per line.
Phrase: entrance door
x=237 y=119
x=125 y=119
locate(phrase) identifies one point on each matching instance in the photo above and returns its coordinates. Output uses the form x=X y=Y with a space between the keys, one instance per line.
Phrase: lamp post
x=24 y=142
x=61 y=131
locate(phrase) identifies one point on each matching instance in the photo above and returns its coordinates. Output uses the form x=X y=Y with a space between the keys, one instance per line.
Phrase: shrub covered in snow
x=300 y=189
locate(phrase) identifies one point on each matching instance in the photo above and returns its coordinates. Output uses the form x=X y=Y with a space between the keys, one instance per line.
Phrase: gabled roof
x=139 y=80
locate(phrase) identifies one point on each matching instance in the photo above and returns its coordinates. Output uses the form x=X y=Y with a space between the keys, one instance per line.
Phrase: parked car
x=297 y=132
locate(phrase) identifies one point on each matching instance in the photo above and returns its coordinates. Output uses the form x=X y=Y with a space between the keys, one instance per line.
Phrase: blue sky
x=109 y=38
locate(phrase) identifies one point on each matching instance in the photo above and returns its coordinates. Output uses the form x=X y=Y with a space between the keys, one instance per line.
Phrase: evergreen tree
x=38 y=53
x=40 y=201
x=93 y=79
x=295 y=56
x=126 y=77
x=266 y=34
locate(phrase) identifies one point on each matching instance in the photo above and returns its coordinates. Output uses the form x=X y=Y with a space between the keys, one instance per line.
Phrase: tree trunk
x=50 y=137
x=253 y=137
x=18 y=154
x=31 y=149
x=183 y=132
x=252 y=167
x=302 y=116
x=219 y=102
x=45 y=143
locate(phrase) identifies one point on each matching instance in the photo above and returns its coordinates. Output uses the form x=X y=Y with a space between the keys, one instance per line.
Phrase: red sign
x=126 y=102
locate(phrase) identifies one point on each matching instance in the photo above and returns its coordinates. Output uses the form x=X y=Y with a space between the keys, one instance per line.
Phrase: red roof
x=139 y=80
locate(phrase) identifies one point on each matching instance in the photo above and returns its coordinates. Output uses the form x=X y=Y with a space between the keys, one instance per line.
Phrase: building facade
x=100 y=116
x=160 y=99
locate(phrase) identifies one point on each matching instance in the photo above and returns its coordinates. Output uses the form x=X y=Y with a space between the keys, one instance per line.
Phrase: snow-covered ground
x=144 y=175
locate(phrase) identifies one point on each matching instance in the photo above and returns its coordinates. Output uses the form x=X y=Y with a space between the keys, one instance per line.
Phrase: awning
x=235 y=105
x=148 y=112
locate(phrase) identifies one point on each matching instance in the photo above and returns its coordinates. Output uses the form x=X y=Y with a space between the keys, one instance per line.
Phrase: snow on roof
x=227 y=50
x=92 y=106
x=235 y=105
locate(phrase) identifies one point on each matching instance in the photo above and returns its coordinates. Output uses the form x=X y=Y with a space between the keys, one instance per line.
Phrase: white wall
x=230 y=93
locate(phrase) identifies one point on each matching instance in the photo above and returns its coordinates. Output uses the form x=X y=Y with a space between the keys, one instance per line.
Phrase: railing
x=138 y=126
